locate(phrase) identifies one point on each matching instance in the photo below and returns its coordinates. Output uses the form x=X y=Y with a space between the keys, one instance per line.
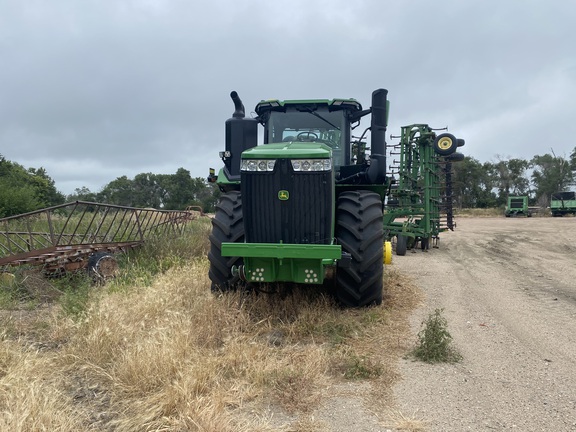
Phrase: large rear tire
x=227 y=226
x=359 y=231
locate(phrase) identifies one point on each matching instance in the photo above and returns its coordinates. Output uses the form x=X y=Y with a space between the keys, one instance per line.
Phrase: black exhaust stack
x=241 y=134
x=238 y=106
x=377 y=170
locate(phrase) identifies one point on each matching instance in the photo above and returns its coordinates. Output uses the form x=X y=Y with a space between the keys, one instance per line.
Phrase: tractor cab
x=311 y=121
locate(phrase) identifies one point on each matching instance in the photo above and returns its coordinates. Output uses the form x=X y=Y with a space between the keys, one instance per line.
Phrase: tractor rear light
x=257 y=165
x=309 y=165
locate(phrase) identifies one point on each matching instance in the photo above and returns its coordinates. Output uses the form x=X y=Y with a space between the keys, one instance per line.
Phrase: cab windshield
x=309 y=126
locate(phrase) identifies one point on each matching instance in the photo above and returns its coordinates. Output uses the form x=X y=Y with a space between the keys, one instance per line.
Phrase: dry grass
x=401 y=422
x=30 y=394
x=171 y=357
x=479 y=212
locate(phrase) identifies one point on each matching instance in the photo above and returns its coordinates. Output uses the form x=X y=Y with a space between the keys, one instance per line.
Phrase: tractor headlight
x=257 y=165
x=309 y=165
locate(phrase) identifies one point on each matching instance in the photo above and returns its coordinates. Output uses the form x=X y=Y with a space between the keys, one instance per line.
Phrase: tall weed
x=435 y=342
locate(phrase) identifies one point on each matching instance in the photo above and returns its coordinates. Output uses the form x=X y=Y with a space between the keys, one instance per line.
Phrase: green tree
x=202 y=193
x=45 y=187
x=550 y=174
x=209 y=201
x=118 y=192
x=474 y=184
x=17 y=199
x=167 y=191
x=82 y=194
x=511 y=178
x=148 y=192
x=23 y=190
x=180 y=190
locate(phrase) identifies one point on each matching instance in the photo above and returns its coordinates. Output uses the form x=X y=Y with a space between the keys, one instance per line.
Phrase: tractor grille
x=305 y=217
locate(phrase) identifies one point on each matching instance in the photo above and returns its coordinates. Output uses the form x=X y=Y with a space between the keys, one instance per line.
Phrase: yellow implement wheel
x=387 y=252
x=445 y=144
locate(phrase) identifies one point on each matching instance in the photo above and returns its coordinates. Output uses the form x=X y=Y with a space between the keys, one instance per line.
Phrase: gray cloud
x=94 y=90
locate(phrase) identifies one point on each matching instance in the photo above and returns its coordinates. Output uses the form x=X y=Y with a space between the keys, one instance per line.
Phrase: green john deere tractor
x=308 y=204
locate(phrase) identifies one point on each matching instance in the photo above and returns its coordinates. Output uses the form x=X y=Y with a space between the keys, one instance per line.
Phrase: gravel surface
x=507 y=287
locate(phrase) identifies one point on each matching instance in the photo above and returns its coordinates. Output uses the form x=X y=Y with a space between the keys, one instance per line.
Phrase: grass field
x=154 y=350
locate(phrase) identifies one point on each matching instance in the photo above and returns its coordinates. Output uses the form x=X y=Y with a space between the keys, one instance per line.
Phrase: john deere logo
x=283 y=195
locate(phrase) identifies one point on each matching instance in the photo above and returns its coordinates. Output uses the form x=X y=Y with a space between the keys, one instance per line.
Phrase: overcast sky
x=95 y=89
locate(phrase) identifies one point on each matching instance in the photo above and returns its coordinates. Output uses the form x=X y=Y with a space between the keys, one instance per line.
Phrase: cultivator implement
x=64 y=237
x=419 y=205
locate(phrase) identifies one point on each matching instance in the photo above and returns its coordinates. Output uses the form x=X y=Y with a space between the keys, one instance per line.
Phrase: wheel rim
x=387 y=252
x=445 y=143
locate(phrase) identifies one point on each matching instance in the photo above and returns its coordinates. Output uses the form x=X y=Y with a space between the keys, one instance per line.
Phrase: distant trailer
x=517 y=206
x=563 y=203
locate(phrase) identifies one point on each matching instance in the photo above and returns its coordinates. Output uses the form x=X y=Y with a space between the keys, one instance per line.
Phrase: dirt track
x=508 y=290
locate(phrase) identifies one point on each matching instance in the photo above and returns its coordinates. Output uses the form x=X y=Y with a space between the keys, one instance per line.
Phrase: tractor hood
x=289 y=150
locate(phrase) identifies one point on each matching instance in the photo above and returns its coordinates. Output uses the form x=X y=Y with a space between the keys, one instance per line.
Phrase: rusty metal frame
x=63 y=236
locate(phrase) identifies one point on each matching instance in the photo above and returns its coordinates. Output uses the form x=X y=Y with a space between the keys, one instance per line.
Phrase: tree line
x=24 y=190
x=475 y=185
x=488 y=184
x=160 y=191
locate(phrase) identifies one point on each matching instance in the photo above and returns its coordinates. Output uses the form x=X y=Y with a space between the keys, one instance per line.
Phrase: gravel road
x=508 y=290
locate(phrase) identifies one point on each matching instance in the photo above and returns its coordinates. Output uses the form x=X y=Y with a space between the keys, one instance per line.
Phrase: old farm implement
x=73 y=236
x=517 y=206
x=419 y=205
x=563 y=203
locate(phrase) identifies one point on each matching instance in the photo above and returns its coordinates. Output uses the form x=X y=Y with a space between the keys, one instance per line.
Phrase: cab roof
x=332 y=104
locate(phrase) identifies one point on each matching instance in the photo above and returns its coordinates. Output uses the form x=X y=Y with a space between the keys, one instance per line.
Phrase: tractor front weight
x=269 y=262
